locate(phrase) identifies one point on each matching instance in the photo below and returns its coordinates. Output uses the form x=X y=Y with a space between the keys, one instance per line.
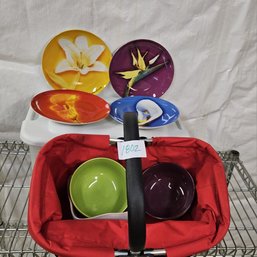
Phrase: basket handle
x=135 y=194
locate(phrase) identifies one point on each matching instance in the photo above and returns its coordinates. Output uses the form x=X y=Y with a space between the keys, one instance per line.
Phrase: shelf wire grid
x=15 y=173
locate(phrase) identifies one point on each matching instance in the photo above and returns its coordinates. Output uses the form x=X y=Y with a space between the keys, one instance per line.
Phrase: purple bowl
x=169 y=191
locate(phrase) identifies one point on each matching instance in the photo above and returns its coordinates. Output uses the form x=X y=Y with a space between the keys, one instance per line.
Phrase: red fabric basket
x=51 y=224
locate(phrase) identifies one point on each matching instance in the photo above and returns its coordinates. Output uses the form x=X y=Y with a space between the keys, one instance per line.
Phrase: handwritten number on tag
x=131 y=149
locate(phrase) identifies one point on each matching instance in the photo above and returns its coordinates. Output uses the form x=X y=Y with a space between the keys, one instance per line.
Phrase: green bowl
x=98 y=186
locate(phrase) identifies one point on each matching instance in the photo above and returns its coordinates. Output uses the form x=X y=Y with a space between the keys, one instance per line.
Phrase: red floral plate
x=70 y=106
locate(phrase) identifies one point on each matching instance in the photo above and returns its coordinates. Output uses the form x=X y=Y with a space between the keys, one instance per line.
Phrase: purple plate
x=141 y=67
x=169 y=191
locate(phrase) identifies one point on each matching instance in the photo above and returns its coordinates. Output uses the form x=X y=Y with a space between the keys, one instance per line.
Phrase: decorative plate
x=141 y=67
x=77 y=60
x=70 y=106
x=152 y=112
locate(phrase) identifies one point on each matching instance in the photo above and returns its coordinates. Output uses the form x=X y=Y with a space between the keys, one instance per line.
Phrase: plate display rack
x=15 y=173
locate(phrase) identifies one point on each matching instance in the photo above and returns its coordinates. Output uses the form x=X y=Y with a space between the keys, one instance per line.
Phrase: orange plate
x=77 y=60
x=70 y=106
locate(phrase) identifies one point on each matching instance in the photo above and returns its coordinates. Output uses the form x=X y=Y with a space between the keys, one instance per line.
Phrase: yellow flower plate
x=77 y=60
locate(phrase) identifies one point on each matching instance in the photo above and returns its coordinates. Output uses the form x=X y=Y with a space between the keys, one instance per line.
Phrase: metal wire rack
x=15 y=173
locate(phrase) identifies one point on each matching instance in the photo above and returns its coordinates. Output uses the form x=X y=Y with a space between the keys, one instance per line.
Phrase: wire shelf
x=15 y=173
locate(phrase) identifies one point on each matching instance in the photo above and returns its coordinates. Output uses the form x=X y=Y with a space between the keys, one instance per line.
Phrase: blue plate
x=152 y=112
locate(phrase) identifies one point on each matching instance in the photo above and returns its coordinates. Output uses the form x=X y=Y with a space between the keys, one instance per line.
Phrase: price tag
x=131 y=149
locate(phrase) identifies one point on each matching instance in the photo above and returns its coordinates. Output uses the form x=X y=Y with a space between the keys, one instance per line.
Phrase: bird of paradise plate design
x=141 y=67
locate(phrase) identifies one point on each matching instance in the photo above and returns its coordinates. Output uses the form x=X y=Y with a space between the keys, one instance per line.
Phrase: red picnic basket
x=53 y=227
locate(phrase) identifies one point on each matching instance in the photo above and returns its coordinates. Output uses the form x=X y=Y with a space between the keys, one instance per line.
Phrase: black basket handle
x=135 y=194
